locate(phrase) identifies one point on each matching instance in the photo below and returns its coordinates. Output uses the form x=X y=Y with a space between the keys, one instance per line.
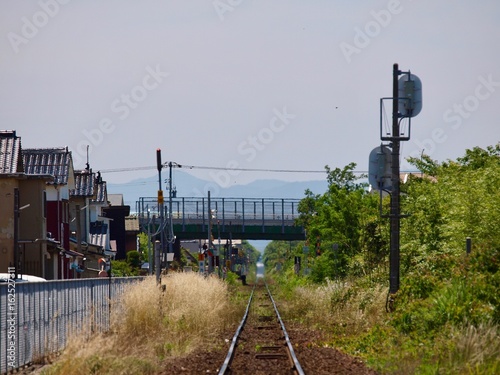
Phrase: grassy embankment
x=150 y=326
x=445 y=319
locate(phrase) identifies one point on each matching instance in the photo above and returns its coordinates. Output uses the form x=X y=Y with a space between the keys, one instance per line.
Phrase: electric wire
x=130 y=169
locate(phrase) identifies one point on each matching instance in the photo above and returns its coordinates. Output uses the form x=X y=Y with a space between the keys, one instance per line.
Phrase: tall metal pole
x=395 y=206
x=150 y=252
x=170 y=224
x=160 y=208
x=219 y=257
x=209 y=234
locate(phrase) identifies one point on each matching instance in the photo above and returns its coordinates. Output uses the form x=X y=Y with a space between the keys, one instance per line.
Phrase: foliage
x=252 y=253
x=129 y=267
x=121 y=268
x=144 y=246
x=345 y=235
x=447 y=311
x=231 y=278
x=134 y=259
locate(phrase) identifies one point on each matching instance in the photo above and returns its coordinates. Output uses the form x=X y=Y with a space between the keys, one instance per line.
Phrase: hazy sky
x=255 y=84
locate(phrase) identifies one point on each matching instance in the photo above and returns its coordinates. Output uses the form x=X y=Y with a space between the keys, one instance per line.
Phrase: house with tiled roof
x=90 y=227
x=80 y=206
x=80 y=197
x=56 y=162
x=24 y=244
x=100 y=227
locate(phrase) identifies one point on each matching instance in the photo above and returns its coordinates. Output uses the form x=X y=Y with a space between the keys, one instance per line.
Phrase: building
x=57 y=163
x=116 y=213
x=24 y=242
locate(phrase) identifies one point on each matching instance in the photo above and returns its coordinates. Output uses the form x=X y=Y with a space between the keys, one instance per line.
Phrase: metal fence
x=37 y=318
x=223 y=209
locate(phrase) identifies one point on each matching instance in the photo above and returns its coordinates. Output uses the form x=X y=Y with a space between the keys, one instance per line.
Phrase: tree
x=134 y=259
x=144 y=246
x=342 y=220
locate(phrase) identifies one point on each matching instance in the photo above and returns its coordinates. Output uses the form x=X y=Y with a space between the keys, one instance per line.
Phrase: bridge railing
x=223 y=210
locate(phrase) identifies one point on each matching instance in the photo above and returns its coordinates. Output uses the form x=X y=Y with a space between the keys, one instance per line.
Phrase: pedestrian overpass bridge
x=236 y=218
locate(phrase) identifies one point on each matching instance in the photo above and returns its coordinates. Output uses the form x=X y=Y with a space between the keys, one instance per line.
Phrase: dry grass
x=151 y=325
x=476 y=347
x=338 y=304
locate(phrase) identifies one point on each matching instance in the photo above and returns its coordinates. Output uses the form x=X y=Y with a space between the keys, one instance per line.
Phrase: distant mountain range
x=187 y=185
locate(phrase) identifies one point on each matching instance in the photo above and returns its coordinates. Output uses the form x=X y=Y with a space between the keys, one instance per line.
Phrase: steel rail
x=291 y=353
x=295 y=361
x=230 y=354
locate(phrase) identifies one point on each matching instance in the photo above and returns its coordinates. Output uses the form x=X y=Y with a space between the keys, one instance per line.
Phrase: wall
x=32 y=227
x=7 y=187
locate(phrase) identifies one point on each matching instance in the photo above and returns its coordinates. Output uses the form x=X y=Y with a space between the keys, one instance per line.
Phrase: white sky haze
x=254 y=84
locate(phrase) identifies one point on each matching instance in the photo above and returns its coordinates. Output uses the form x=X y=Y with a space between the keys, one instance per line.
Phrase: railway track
x=261 y=344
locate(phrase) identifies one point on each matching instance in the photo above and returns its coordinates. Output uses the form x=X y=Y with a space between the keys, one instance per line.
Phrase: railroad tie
x=272 y=355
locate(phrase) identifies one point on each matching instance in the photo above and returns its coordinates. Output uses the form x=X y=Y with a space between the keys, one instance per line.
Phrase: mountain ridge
x=187 y=185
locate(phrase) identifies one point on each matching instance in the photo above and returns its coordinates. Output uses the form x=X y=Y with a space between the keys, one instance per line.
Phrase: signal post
x=384 y=167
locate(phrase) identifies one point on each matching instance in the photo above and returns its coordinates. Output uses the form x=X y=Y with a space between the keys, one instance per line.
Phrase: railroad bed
x=261 y=343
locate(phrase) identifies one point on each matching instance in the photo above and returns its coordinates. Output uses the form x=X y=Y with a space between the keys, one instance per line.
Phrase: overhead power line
x=130 y=169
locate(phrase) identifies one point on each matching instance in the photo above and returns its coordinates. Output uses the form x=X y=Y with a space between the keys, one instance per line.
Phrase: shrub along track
x=261 y=347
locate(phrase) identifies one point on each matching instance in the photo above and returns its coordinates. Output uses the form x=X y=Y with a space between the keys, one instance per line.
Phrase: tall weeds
x=338 y=304
x=477 y=349
x=150 y=325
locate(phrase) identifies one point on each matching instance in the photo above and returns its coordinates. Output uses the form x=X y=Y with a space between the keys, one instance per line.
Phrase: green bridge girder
x=247 y=232
x=237 y=218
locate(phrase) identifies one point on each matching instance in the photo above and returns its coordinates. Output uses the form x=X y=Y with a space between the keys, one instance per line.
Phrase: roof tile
x=85 y=183
x=10 y=152
x=51 y=161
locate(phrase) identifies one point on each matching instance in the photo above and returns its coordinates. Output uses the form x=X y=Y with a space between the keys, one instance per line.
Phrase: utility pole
x=159 y=247
x=395 y=206
x=209 y=235
x=219 y=257
x=150 y=252
x=170 y=223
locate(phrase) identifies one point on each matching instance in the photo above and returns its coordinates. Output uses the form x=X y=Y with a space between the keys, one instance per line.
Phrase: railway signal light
x=159 y=166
